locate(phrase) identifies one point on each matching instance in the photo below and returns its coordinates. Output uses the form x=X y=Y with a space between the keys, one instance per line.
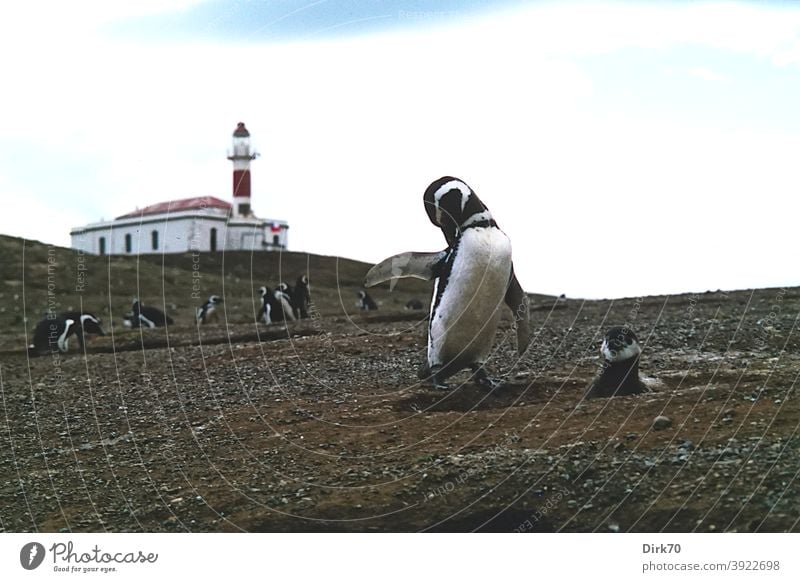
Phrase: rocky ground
x=323 y=427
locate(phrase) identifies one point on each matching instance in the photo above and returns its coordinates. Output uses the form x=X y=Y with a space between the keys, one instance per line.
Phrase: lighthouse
x=241 y=156
x=195 y=224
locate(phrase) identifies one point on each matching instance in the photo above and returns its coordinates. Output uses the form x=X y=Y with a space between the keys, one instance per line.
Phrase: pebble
x=662 y=422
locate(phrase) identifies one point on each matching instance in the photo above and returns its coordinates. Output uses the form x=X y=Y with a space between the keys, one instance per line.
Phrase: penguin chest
x=210 y=315
x=464 y=319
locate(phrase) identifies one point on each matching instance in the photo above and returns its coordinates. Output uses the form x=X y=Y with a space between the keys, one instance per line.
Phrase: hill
x=38 y=277
x=322 y=425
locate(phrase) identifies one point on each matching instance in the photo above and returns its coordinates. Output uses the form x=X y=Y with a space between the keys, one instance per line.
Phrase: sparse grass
x=106 y=285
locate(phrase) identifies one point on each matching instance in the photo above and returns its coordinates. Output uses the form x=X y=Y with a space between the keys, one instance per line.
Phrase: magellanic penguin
x=207 y=312
x=275 y=306
x=301 y=297
x=146 y=316
x=53 y=333
x=286 y=290
x=365 y=302
x=620 y=373
x=472 y=278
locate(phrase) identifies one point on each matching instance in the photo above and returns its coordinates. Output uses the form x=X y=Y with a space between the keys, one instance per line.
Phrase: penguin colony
x=472 y=278
x=52 y=333
x=285 y=303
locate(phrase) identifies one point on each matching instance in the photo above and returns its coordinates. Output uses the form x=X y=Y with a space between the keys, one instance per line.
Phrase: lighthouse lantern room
x=201 y=223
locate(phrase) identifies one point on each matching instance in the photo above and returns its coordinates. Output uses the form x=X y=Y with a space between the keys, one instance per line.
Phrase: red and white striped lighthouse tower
x=241 y=157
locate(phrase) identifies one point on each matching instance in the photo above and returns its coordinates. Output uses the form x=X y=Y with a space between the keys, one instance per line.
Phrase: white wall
x=179 y=234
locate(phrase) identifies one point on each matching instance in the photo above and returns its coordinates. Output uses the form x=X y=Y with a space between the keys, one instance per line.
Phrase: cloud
x=707 y=74
x=352 y=129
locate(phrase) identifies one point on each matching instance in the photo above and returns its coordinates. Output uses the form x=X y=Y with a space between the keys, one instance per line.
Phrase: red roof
x=198 y=203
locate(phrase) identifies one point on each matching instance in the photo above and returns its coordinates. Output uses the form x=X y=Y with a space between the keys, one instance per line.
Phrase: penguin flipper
x=518 y=301
x=417 y=265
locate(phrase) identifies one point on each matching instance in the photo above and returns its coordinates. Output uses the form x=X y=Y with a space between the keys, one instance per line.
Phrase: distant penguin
x=286 y=290
x=620 y=373
x=301 y=297
x=53 y=333
x=275 y=306
x=365 y=302
x=472 y=278
x=414 y=304
x=265 y=313
x=207 y=313
x=87 y=323
x=146 y=316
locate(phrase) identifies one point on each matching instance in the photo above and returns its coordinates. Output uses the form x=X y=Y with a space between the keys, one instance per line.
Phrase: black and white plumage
x=52 y=333
x=207 y=312
x=275 y=306
x=472 y=278
x=146 y=316
x=285 y=290
x=301 y=297
x=365 y=302
x=620 y=373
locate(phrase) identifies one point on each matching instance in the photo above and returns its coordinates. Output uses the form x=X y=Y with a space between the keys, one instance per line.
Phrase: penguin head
x=451 y=204
x=283 y=287
x=263 y=291
x=362 y=294
x=302 y=281
x=90 y=324
x=620 y=344
x=214 y=299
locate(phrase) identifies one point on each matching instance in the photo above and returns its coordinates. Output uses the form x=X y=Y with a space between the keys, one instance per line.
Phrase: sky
x=626 y=148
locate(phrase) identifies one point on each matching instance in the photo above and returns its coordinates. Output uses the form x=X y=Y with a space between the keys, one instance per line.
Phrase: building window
x=244 y=210
x=276 y=240
x=102 y=245
x=154 y=236
x=213 y=241
x=128 y=243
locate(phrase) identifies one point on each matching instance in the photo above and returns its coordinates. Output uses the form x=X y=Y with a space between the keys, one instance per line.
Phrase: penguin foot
x=438 y=380
x=426 y=373
x=483 y=379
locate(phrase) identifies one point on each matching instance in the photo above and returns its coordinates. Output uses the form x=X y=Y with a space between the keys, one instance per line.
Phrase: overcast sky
x=626 y=148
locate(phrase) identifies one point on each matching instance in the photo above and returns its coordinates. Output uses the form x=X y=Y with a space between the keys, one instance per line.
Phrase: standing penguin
x=301 y=297
x=54 y=333
x=146 y=316
x=472 y=278
x=275 y=306
x=365 y=302
x=285 y=290
x=207 y=313
x=620 y=373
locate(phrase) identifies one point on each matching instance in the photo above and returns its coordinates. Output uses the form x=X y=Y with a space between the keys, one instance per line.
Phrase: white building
x=203 y=224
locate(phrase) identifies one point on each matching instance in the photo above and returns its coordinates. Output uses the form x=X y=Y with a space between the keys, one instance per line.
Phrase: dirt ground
x=324 y=427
